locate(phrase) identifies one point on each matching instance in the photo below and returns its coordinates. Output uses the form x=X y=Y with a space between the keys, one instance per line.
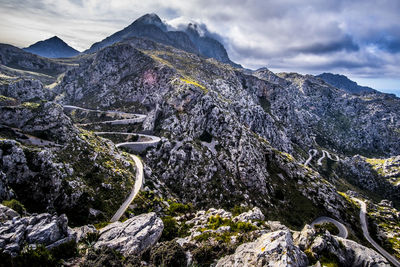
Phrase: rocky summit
x=154 y=149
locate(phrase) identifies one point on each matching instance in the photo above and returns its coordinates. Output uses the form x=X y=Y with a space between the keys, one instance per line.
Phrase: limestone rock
x=304 y=238
x=362 y=256
x=6 y=213
x=251 y=215
x=133 y=236
x=25 y=90
x=83 y=231
x=37 y=229
x=272 y=249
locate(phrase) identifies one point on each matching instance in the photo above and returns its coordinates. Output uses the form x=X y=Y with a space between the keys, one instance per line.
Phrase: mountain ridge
x=150 y=26
x=343 y=82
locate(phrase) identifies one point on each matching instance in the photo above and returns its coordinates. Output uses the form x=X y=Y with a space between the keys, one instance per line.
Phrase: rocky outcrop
x=251 y=215
x=82 y=232
x=362 y=256
x=45 y=119
x=25 y=90
x=7 y=214
x=344 y=252
x=132 y=237
x=373 y=175
x=272 y=249
x=43 y=229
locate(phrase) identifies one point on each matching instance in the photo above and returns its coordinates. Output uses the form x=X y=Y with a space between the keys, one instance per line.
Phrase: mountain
x=150 y=26
x=53 y=47
x=152 y=153
x=342 y=82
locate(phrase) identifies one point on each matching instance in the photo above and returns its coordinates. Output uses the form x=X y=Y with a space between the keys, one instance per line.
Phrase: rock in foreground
x=272 y=249
x=36 y=229
x=133 y=236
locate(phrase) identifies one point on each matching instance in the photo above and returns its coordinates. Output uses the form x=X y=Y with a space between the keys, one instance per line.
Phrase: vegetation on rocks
x=15 y=205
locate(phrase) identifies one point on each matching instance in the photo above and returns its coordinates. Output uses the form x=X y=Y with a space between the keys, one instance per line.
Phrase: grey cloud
x=345 y=43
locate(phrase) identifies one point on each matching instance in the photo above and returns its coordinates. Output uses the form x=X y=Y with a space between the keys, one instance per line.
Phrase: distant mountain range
x=151 y=27
x=52 y=48
x=342 y=82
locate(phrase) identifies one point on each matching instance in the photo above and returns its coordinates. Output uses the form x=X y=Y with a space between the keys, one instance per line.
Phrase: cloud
x=359 y=38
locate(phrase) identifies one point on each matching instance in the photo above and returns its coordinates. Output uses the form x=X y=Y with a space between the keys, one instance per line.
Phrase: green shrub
x=101 y=225
x=171 y=228
x=15 y=205
x=239 y=209
x=91 y=238
x=40 y=257
x=327 y=226
x=245 y=227
x=179 y=208
x=168 y=253
x=65 y=251
x=207 y=254
x=214 y=222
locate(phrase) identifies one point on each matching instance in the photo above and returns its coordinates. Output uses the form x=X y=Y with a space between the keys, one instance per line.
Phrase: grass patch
x=189 y=81
x=15 y=205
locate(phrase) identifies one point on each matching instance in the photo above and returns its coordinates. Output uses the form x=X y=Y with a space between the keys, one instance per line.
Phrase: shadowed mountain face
x=342 y=82
x=151 y=27
x=52 y=48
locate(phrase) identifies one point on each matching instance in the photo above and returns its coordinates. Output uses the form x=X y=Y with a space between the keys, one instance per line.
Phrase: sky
x=357 y=38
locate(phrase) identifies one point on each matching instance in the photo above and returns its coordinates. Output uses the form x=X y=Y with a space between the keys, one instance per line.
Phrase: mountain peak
x=151 y=19
x=53 y=47
x=192 y=39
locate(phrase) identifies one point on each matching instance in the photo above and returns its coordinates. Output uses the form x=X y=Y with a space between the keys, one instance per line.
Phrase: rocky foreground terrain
x=245 y=162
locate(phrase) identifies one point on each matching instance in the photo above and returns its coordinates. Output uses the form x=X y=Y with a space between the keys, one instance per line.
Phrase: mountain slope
x=207 y=119
x=342 y=82
x=150 y=26
x=53 y=47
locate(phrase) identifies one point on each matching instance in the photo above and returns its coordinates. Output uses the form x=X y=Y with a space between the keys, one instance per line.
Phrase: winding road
x=364 y=226
x=139 y=165
x=138 y=185
x=314 y=151
x=363 y=220
x=342 y=229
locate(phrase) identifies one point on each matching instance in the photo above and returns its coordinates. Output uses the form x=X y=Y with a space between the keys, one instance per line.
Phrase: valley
x=153 y=148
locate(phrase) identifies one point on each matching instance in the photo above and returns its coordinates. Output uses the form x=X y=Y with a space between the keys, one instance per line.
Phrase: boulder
x=272 y=249
x=6 y=213
x=83 y=231
x=37 y=229
x=251 y=215
x=362 y=256
x=304 y=238
x=133 y=236
x=345 y=252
